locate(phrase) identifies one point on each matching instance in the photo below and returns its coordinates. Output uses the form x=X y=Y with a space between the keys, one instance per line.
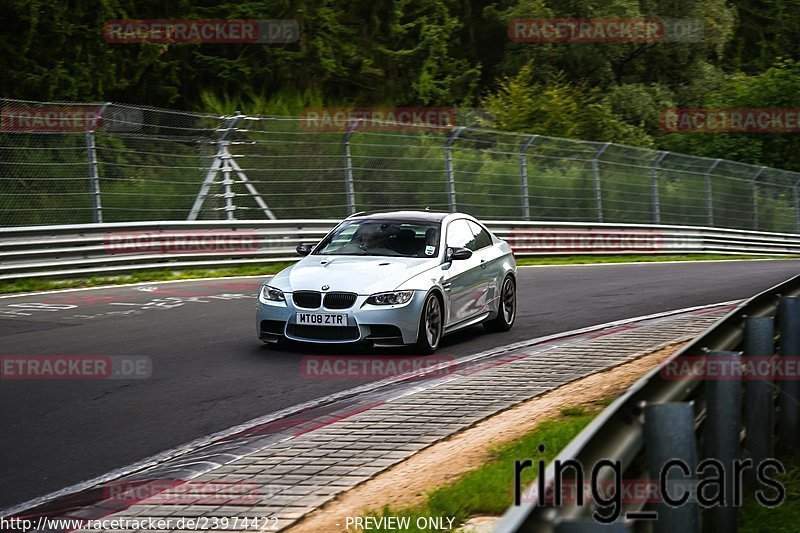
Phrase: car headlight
x=272 y=294
x=390 y=298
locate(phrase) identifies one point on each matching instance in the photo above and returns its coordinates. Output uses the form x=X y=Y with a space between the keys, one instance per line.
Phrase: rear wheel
x=507 y=307
x=431 y=324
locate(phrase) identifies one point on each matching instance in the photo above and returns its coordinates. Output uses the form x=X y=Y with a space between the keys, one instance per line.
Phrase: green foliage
x=282 y=102
x=607 y=64
x=778 y=87
x=767 y=31
x=640 y=105
x=362 y=52
x=557 y=109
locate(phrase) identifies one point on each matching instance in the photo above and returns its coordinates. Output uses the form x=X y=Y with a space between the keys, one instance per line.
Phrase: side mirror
x=304 y=249
x=459 y=253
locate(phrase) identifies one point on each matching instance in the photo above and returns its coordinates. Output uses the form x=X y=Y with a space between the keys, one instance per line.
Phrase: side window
x=482 y=236
x=459 y=235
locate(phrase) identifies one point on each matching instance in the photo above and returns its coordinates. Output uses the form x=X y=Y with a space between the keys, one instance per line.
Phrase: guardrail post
x=448 y=166
x=523 y=176
x=348 y=167
x=722 y=426
x=654 y=186
x=789 y=414
x=754 y=192
x=669 y=436
x=598 y=191
x=758 y=342
x=709 y=192
x=94 y=176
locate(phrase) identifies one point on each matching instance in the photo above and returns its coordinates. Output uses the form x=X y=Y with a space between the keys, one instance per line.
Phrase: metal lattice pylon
x=225 y=163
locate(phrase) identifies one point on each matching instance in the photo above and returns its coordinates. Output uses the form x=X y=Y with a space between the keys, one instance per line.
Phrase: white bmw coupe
x=390 y=279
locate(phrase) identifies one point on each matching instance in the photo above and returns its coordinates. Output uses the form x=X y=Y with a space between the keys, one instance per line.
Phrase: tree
x=559 y=109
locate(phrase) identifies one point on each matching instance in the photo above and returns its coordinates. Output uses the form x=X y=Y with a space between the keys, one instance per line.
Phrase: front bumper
x=388 y=325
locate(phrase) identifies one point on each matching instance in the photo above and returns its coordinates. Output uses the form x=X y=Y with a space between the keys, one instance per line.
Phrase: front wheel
x=431 y=324
x=507 y=308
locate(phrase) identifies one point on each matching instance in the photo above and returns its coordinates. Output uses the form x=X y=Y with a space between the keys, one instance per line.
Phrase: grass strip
x=488 y=489
x=755 y=518
x=40 y=284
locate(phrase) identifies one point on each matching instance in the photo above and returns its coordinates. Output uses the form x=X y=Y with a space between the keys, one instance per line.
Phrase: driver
x=373 y=238
x=369 y=237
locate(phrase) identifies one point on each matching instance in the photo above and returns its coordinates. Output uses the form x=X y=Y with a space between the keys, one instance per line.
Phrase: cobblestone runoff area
x=290 y=478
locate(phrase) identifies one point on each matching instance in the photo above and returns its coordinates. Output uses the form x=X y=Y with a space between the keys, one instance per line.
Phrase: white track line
x=660 y=262
x=138 y=284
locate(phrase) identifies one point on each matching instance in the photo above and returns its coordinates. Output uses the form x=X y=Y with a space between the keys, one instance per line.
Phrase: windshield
x=383 y=237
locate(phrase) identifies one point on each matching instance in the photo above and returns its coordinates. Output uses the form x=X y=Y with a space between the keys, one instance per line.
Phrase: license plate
x=322 y=319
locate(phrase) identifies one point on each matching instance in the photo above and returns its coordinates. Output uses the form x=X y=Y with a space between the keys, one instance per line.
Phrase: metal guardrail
x=96 y=249
x=661 y=418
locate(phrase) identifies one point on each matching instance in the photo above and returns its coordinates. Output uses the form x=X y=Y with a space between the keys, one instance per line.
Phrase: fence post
x=669 y=436
x=598 y=192
x=448 y=166
x=654 y=185
x=94 y=176
x=348 y=167
x=758 y=342
x=754 y=192
x=523 y=175
x=723 y=425
x=709 y=192
x=796 y=197
x=789 y=422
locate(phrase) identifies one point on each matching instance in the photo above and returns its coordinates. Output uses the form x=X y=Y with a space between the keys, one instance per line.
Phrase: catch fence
x=74 y=163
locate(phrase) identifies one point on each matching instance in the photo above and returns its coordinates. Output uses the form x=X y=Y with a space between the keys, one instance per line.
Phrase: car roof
x=411 y=216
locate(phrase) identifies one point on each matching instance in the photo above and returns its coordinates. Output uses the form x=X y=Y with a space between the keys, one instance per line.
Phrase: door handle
x=483 y=263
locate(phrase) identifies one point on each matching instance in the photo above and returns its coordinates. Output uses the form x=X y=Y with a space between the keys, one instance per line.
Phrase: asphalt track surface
x=210 y=372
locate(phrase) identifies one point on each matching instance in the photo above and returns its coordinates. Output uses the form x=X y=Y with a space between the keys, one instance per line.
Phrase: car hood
x=350 y=273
